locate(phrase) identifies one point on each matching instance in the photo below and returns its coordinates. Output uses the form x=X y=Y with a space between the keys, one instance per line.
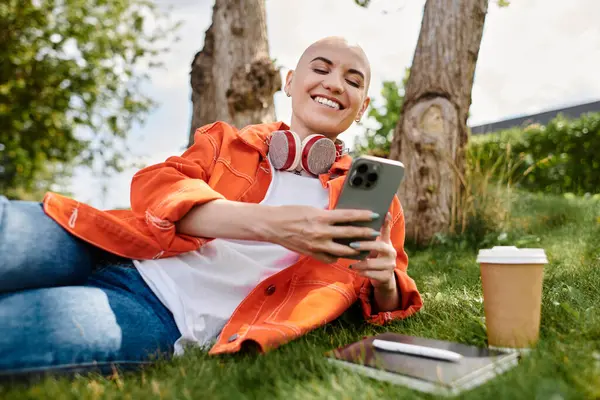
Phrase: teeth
x=327 y=102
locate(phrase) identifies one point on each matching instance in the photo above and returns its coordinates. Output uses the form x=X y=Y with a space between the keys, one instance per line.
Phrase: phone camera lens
x=357 y=181
x=372 y=177
x=362 y=168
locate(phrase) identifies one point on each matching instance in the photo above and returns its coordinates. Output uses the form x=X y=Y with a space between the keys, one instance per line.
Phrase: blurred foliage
x=70 y=85
x=377 y=141
x=560 y=157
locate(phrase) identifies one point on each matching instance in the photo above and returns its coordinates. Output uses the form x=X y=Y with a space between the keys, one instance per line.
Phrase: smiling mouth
x=328 y=103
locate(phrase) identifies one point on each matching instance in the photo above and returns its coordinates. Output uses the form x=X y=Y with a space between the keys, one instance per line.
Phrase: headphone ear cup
x=318 y=154
x=284 y=150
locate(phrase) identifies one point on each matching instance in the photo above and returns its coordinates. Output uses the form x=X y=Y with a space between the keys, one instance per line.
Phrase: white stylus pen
x=417 y=350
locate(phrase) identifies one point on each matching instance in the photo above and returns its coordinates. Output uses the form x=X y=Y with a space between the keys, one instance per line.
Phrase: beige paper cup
x=512 y=294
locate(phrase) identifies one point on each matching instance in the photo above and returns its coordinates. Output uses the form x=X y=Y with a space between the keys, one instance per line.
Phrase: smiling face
x=328 y=88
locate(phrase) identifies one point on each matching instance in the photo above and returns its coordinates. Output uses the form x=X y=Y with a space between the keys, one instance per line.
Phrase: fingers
x=339 y=250
x=340 y=216
x=379 y=247
x=328 y=248
x=377 y=276
x=313 y=232
x=352 y=232
x=386 y=230
x=372 y=264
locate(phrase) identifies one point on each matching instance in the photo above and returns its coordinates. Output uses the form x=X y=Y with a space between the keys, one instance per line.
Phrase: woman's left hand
x=379 y=265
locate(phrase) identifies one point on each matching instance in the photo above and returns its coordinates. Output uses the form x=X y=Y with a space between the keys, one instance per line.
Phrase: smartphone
x=370 y=184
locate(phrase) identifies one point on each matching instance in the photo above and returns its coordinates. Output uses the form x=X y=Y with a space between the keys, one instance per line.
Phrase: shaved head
x=329 y=87
x=340 y=43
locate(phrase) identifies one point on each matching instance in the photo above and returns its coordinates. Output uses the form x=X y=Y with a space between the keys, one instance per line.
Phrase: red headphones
x=315 y=154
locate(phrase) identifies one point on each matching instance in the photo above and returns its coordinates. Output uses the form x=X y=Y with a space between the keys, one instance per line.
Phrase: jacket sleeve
x=163 y=193
x=410 y=299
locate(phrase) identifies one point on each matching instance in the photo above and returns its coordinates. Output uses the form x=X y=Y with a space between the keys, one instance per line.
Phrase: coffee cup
x=512 y=281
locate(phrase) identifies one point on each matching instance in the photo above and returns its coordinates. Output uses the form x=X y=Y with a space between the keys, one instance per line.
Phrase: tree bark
x=233 y=78
x=431 y=134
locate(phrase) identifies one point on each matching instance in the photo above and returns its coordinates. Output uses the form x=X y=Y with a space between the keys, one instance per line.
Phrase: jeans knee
x=56 y=326
x=35 y=251
x=77 y=327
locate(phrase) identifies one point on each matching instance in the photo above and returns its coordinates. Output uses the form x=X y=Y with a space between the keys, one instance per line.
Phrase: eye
x=352 y=83
x=320 y=71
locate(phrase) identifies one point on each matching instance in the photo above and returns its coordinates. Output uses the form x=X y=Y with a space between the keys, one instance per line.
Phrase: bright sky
x=535 y=55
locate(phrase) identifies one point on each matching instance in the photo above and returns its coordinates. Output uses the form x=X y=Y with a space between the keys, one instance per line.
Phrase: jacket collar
x=257 y=136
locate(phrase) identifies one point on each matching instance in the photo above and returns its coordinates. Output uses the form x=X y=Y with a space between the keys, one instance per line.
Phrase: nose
x=334 y=83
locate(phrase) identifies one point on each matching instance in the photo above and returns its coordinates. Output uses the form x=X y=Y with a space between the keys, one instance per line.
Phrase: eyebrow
x=327 y=61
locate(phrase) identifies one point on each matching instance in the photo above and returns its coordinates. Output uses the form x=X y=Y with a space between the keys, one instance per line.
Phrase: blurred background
x=84 y=101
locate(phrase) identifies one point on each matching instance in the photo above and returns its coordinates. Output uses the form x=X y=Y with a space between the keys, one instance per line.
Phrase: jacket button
x=233 y=337
x=270 y=290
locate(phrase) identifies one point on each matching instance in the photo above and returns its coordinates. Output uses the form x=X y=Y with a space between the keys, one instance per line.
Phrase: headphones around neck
x=315 y=154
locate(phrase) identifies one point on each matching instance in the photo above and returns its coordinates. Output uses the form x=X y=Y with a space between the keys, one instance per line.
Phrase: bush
x=481 y=210
x=558 y=158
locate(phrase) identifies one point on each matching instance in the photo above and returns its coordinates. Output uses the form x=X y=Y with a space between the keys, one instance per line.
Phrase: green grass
x=565 y=364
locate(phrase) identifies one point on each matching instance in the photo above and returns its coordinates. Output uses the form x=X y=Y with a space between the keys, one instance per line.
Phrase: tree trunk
x=233 y=78
x=431 y=134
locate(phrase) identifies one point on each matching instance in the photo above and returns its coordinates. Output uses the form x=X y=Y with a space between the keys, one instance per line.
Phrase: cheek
x=355 y=105
x=304 y=84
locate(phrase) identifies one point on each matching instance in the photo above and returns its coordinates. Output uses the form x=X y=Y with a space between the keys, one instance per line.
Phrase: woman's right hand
x=311 y=231
x=303 y=229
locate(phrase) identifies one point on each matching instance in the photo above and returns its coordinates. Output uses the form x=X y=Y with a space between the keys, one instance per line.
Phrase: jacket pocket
x=315 y=297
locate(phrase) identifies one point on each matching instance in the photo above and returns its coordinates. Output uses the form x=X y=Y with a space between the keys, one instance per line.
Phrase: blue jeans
x=66 y=306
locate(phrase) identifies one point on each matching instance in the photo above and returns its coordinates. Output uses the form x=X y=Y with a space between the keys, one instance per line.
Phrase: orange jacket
x=227 y=163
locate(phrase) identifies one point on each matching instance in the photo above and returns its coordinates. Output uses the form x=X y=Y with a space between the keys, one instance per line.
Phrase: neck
x=303 y=132
x=300 y=130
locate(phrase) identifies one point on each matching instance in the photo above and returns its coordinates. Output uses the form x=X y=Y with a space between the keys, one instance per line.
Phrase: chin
x=328 y=128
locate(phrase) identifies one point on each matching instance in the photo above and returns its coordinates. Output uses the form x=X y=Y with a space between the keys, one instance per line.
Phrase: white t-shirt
x=202 y=288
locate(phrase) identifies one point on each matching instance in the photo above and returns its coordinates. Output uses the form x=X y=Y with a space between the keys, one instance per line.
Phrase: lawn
x=566 y=363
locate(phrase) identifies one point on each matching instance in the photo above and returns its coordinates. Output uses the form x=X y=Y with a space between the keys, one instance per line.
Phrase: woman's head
x=328 y=88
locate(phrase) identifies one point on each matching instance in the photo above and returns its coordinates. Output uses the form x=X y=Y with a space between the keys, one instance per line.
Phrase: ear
x=288 y=82
x=364 y=107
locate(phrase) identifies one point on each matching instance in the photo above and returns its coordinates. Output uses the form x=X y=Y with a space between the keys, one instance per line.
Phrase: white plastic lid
x=511 y=255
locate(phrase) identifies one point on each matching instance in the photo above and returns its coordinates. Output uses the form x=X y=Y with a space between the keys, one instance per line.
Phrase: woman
x=228 y=245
